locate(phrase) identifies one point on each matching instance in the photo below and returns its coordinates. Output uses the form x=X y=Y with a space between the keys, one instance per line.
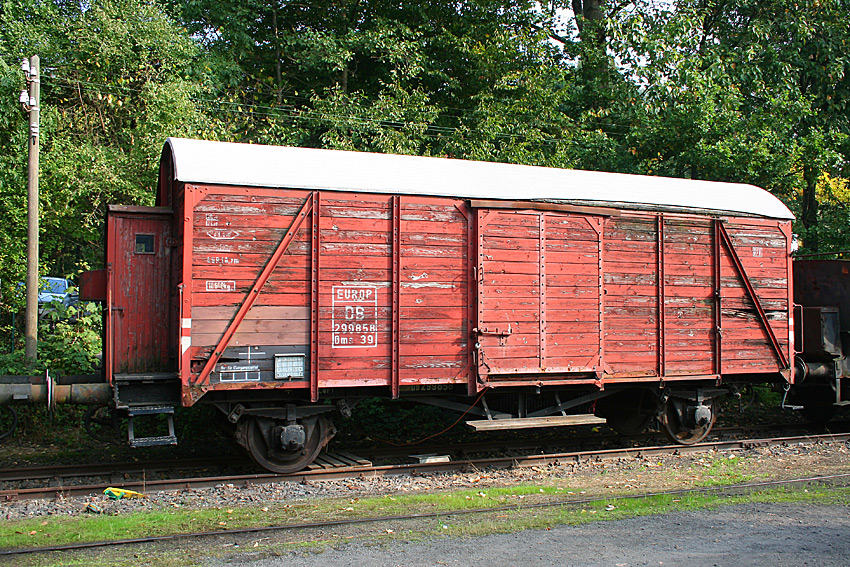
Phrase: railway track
x=64 y=475
x=361 y=471
x=729 y=490
x=56 y=472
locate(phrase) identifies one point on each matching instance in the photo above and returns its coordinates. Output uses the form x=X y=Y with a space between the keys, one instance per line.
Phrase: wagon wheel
x=8 y=421
x=630 y=412
x=102 y=423
x=818 y=414
x=283 y=448
x=682 y=425
x=817 y=401
x=629 y=423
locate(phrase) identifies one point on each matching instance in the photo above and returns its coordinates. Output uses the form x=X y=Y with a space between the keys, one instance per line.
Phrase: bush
x=69 y=342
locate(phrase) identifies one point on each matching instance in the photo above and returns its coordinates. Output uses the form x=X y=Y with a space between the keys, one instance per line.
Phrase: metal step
x=149 y=410
x=338 y=460
x=136 y=411
x=153 y=441
x=530 y=422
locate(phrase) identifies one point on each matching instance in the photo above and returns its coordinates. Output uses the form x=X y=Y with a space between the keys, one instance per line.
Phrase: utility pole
x=30 y=101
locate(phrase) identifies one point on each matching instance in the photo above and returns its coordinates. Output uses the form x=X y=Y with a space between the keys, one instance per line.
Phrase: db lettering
x=357 y=313
x=354 y=294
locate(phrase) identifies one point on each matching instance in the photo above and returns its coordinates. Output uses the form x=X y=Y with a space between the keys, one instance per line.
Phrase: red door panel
x=140 y=298
x=538 y=293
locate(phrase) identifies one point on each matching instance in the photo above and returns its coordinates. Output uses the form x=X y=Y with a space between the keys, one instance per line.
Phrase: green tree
x=745 y=91
x=118 y=76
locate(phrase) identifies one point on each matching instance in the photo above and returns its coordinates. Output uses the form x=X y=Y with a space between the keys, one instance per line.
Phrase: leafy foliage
x=69 y=342
x=749 y=91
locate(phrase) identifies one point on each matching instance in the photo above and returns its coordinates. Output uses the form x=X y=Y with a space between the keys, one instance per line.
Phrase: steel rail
x=730 y=490
x=342 y=473
x=99 y=469
x=21 y=474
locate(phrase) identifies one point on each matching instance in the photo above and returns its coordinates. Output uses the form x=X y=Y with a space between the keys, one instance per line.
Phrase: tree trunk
x=278 y=75
x=809 y=216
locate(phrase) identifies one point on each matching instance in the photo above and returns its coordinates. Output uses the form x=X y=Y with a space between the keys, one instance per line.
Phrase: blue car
x=57 y=289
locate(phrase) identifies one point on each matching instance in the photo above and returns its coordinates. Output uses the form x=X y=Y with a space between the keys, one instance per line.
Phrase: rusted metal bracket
x=254 y=292
x=597 y=224
x=661 y=293
x=315 y=253
x=503 y=335
x=396 y=289
x=718 y=296
x=541 y=292
x=752 y=293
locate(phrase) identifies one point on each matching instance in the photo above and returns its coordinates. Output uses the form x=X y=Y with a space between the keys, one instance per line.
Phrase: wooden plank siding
x=416 y=290
x=234 y=235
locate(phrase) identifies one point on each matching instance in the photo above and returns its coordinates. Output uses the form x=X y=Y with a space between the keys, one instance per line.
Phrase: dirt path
x=744 y=535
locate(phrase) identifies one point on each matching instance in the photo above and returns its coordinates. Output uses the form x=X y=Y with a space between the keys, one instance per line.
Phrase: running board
x=168 y=411
x=530 y=422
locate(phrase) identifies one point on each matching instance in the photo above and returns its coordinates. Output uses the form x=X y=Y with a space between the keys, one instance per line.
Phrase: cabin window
x=144 y=244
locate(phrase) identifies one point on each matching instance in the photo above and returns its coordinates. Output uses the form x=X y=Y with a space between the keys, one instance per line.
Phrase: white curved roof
x=225 y=163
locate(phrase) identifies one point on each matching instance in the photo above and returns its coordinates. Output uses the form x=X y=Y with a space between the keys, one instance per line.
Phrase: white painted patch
x=225 y=260
x=354 y=317
x=428 y=284
x=414 y=277
x=186 y=322
x=217 y=285
x=185 y=343
x=371 y=284
x=223 y=234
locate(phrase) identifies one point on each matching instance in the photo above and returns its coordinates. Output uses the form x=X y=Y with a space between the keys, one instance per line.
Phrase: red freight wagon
x=268 y=280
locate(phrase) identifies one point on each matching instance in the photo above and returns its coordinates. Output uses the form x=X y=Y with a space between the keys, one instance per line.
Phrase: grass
x=315 y=541
x=49 y=531
x=40 y=532
x=618 y=509
x=722 y=471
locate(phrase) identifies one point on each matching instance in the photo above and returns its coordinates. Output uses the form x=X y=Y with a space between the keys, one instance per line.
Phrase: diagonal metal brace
x=254 y=293
x=752 y=293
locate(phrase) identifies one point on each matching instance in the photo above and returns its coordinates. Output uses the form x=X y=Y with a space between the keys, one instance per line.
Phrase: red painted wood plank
x=247 y=260
x=423 y=240
x=458 y=252
x=560 y=274
x=510 y=243
x=585 y=358
x=453 y=335
x=436 y=214
x=245 y=209
x=572 y=258
x=566 y=340
x=513 y=268
x=572 y=293
x=227 y=194
x=578 y=327
x=283 y=338
x=557 y=303
x=212 y=286
x=612 y=266
x=456 y=228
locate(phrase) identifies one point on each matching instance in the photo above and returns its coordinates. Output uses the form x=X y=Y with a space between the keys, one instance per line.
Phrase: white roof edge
x=253 y=165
